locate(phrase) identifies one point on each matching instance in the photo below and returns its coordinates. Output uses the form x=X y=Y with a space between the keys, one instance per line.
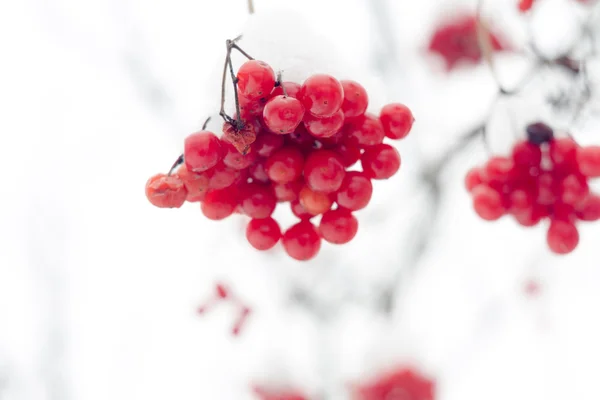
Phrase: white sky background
x=98 y=289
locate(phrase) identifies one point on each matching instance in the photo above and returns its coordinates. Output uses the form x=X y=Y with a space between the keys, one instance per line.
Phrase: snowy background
x=99 y=290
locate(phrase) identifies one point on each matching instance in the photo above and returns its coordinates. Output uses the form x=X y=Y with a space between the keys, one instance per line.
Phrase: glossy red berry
x=314 y=203
x=367 y=130
x=338 y=226
x=219 y=204
x=324 y=127
x=562 y=237
x=255 y=79
x=263 y=234
x=301 y=241
x=234 y=159
x=397 y=120
x=266 y=144
x=487 y=203
x=166 y=191
x=355 y=192
x=526 y=155
x=589 y=208
x=349 y=151
x=299 y=211
x=221 y=176
x=196 y=184
x=257 y=171
x=588 y=159
x=257 y=200
x=324 y=171
x=291 y=89
x=282 y=114
x=563 y=153
x=285 y=165
x=573 y=189
x=202 y=151
x=381 y=161
x=287 y=191
x=473 y=179
x=525 y=5
x=322 y=95
x=356 y=99
x=498 y=169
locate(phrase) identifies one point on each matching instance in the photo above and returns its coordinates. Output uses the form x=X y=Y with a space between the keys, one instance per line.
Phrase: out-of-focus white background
x=98 y=289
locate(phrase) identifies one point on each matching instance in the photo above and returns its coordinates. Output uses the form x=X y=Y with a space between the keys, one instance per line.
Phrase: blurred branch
x=250 y=7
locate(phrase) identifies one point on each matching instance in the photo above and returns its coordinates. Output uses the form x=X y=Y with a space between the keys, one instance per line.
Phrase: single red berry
x=285 y=165
x=324 y=171
x=166 y=191
x=301 y=241
x=588 y=159
x=258 y=172
x=196 y=184
x=355 y=192
x=221 y=176
x=324 y=127
x=589 y=208
x=282 y=114
x=287 y=191
x=487 y=203
x=531 y=216
x=563 y=153
x=349 y=151
x=520 y=200
x=263 y=234
x=255 y=79
x=397 y=384
x=338 y=226
x=234 y=159
x=498 y=169
x=257 y=200
x=367 y=130
x=314 y=203
x=525 y=5
x=356 y=99
x=381 y=161
x=202 y=150
x=240 y=137
x=291 y=89
x=322 y=95
x=267 y=143
x=473 y=179
x=526 y=155
x=397 y=120
x=573 y=189
x=299 y=211
x=562 y=237
x=219 y=204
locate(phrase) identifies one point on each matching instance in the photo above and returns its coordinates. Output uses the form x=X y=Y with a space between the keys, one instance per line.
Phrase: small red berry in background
x=292 y=142
x=403 y=383
x=544 y=178
x=263 y=393
x=456 y=42
x=166 y=191
x=525 y=5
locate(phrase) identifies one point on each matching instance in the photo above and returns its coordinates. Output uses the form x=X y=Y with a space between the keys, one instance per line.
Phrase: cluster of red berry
x=289 y=143
x=526 y=5
x=545 y=177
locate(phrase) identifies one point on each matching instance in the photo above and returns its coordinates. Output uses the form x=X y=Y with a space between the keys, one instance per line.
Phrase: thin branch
x=176 y=164
x=250 y=7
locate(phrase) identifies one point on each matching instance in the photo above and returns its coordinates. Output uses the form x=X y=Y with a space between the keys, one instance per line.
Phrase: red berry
x=381 y=161
x=263 y=234
x=250 y=108
x=589 y=208
x=282 y=114
x=324 y=171
x=525 y=5
x=291 y=88
x=256 y=200
x=240 y=138
x=563 y=153
x=356 y=99
x=526 y=155
x=573 y=189
x=397 y=120
x=473 y=179
x=196 y=184
x=257 y=171
x=299 y=211
x=221 y=176
x=367 y=130
x=530 y=217
x=588 y=159
x=285 y=165
x=322 y=95
x=520 y=200
x=301 y=139
x=301 y=241
x=349 y=151
x=219 y=204
x=287 y=191
x=338 y=226
x=487 y=203
x=255 y=79
x=562 y=237
x=314 y=203
x=497 y=170
x=324 y=127
x=355 y=192
x=166 y=191
x=202 y=150
x=267 y=143
x=234 y=159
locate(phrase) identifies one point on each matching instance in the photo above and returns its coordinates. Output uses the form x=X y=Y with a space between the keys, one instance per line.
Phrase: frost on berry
x=196 y=183
x=402 y=383
x=166 y=191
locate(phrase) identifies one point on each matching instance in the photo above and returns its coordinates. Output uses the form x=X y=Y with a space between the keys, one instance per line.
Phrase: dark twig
x=176 y=164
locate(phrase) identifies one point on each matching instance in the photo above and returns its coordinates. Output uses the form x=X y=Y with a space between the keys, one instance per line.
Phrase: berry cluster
x=545 y=177
x=289 y=143
x=402 y=383
x=456 y=41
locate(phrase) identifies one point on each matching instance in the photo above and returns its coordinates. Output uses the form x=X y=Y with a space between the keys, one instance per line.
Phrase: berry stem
x=205 y=123
x=176 y=164
x=238 y=115
x=280 y=83
x=237 y=123
x=222 y=112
